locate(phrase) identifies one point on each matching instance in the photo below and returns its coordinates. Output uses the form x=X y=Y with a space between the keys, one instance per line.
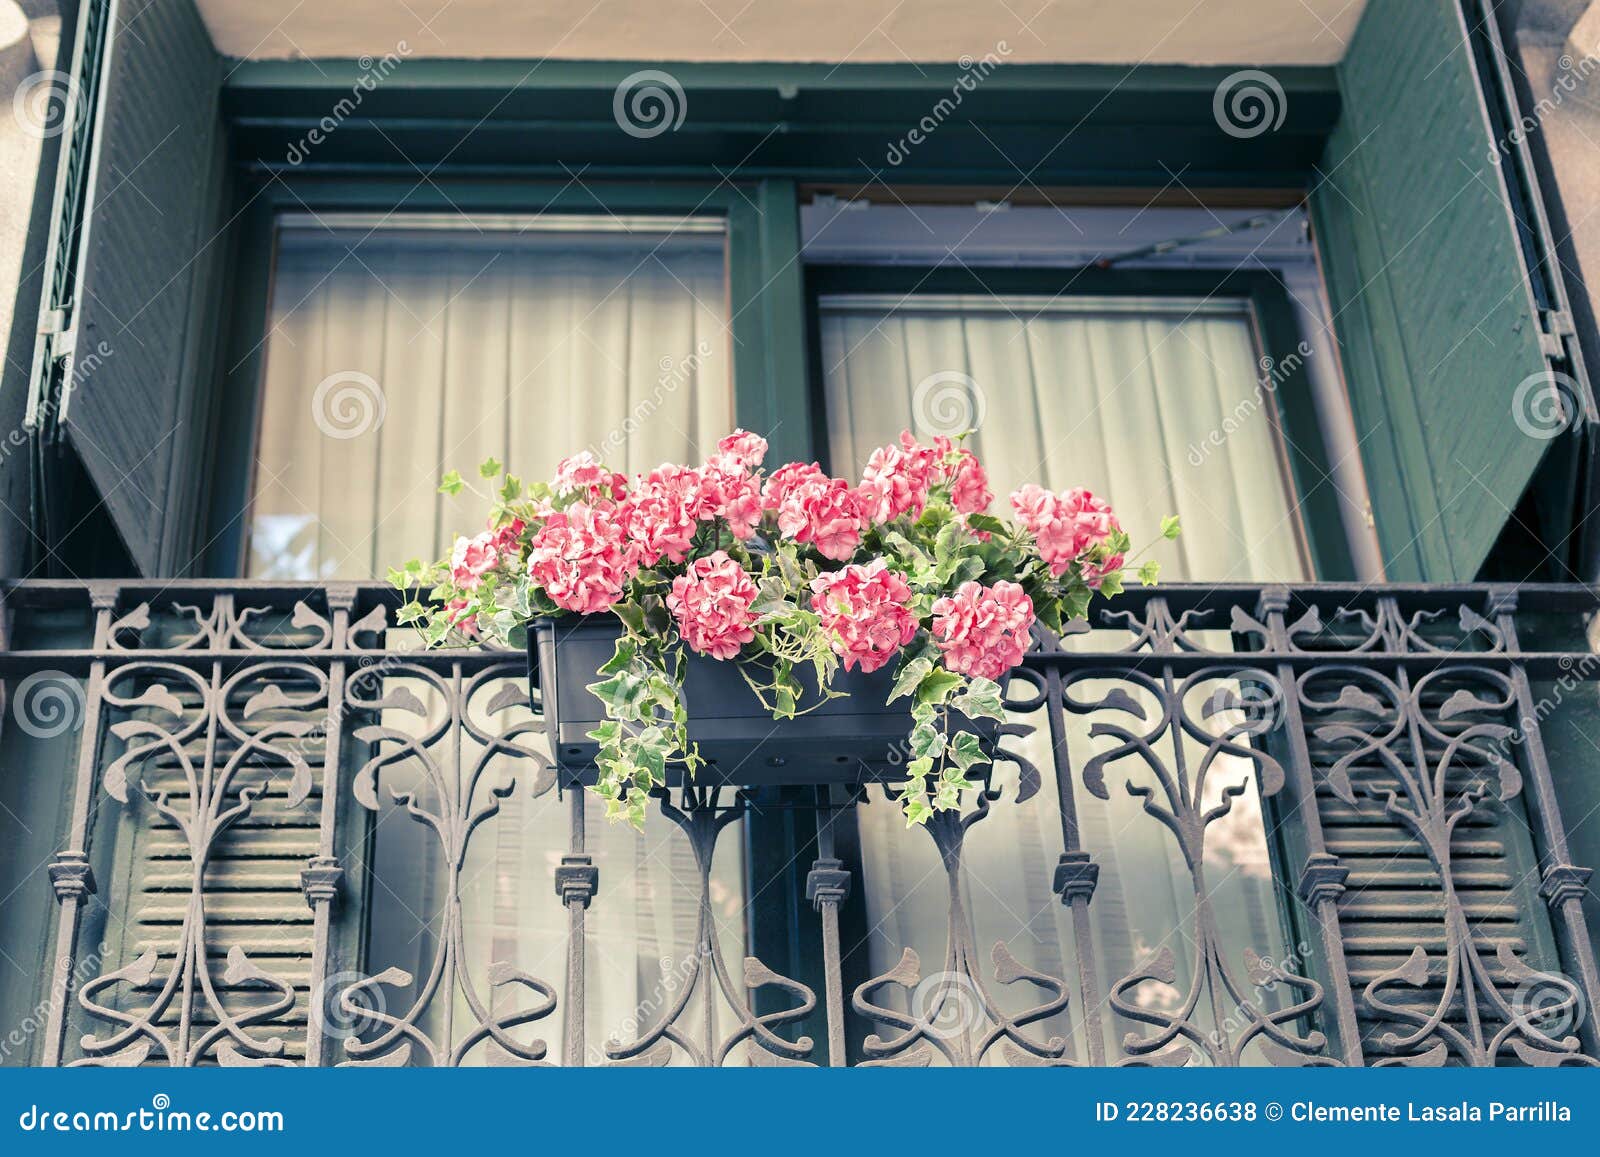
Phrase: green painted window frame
x=764 y=292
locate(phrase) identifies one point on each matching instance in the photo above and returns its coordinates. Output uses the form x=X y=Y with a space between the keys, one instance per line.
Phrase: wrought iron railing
x=234 y=745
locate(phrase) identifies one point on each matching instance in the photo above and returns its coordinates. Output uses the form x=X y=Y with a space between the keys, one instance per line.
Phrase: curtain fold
x=394 y=355
x=1154 y=404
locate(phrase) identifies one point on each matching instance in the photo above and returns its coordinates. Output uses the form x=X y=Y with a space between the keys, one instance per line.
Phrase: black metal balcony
x=1395 y=735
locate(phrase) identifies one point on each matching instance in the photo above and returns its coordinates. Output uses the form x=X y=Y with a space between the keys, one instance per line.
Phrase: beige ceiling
x=858 y=31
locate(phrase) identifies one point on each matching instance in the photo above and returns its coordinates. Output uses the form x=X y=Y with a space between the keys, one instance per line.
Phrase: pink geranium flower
x=584 y=474
x=733 y=493
x=824 y=512
x=782 y=481
x=712 y=605
x=983 y=630
x=508 y=538
x=897 y=479
x=472 y=558
x=969 y=484
x=663 y=511
x=1066 y=526
x=583 y=558
x=748 y=448
x=865 y=608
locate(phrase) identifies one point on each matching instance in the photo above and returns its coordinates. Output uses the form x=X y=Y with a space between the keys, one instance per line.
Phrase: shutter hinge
x=53 y=321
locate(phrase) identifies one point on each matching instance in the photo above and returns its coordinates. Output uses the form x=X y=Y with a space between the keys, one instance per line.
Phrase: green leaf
x=927 y=741
x=511 y=488
x=1169 y=526
x=938 y=685
x=1075 y=601
x=916 y=809
x=620 y=660
x=911 y=674
x=987 y=523
x=451 y=483
x=1149 y=573
x=1111 y=585
x=488 y=468
x=632 y=616
x=966 y=750
x=981 y=700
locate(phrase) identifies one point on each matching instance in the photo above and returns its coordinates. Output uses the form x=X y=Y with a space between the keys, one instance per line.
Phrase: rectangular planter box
x=856 y=738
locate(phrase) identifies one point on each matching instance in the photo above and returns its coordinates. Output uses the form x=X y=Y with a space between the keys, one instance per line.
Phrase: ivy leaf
x=1075 y=602
x=938 y=685
x=1111 y=585
x=620 y=660
x=511 y=488
x=916 y=809
x=911 y=675
x=927 y=741
x=1149 y=573
x=632 y=616
x=967 y=751
x=488 y=468
x=451 y=483
x=980 y=700
x=1170 y=527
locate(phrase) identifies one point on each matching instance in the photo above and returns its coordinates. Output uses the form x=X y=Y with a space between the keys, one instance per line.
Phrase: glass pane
x=1160 y=406
x=399 y=350
x=1154 y=404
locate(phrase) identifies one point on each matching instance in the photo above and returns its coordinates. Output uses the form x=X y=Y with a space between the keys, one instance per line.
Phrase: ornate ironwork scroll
x=458 y=794
x=241 y=737
x=1432 y=753
x=201 y=768
x=706 y=976
x=1201 y=747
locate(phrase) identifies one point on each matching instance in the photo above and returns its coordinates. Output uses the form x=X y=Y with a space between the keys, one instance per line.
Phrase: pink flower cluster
x=712 y=605
x=983 y=630
x=897 y=478
x=589 y=541
x=472 y=558
x=583 y=473
x=582 y=557
x=1068 y=526
x=865 y=608
x=816 y=509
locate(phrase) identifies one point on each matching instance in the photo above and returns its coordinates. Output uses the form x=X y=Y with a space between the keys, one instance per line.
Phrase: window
x=402 y=346
x=1162 y=402
x=1128 y=396
x=399 y=346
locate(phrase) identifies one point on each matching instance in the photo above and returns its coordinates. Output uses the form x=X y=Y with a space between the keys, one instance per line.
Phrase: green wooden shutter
x=123 y=342
x=1434 y=312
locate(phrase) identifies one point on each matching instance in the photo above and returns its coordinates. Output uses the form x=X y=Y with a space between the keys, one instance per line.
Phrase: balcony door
x=1163 y=405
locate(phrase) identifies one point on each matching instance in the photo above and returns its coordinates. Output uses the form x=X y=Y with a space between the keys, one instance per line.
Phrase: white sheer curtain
x=397 y=353
x=1155 y=405
x=526 y=340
